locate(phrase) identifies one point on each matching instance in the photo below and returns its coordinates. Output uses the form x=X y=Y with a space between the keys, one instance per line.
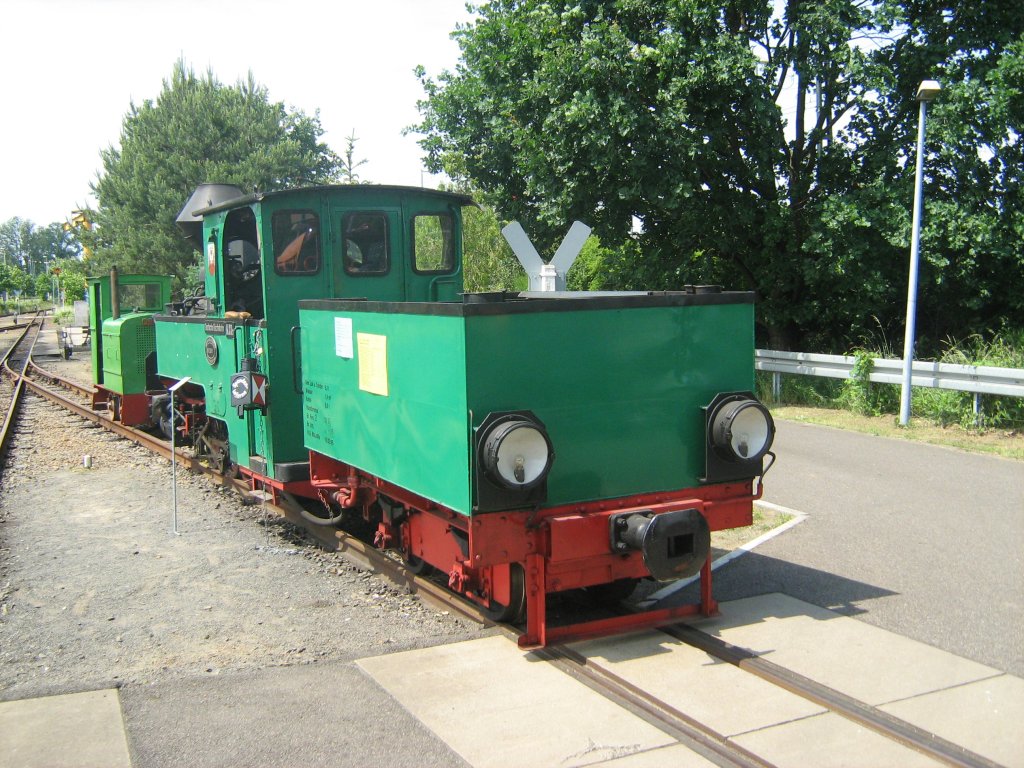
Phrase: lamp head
x=928 y=90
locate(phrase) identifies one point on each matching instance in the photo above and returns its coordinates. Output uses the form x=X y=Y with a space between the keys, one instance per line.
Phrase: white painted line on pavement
x=797 y=517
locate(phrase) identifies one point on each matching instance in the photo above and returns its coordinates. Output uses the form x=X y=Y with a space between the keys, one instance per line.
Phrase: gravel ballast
x=96 y=590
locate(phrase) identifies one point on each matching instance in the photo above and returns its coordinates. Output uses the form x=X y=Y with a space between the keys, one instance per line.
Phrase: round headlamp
x=742 y=429
x=516 y=453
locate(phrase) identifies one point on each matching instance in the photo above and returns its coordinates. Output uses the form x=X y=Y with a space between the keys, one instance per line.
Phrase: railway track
x=75 y=397
x=697 y=736
x=18 y=343
x=719 y=748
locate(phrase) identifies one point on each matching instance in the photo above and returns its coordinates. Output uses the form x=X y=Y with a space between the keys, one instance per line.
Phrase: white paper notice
x=343 y=337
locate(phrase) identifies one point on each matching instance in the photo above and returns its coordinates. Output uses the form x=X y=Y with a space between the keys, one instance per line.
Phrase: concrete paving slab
x=985 y=717
x=720 y=695
x=676 y=756
x=75 y=729
x=303 y=716
x=863 y=661
x=829 y=741
x=497 y=706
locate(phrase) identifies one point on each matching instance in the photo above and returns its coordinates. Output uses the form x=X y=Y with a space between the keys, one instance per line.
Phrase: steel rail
x=841 y=704
x=718 y=747
x=18 y=383
x=68 y=384
x=978 y=379
x=688 y=731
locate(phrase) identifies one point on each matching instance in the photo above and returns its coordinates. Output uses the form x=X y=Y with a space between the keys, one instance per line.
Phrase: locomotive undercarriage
x=509 y=562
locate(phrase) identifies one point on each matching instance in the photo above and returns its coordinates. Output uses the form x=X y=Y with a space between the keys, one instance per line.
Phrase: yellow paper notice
x=373 y=363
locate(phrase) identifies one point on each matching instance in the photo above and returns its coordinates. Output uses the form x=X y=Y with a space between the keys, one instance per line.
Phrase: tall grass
x=943 y=407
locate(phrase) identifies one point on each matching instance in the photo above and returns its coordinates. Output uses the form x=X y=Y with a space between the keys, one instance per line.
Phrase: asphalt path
x=924 y=541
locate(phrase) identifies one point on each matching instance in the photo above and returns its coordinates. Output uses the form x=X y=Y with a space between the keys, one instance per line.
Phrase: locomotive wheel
x=612 y=592
x=515 y=611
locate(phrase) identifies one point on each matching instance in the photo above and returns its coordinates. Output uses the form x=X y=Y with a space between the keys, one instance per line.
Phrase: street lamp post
x=927 y=91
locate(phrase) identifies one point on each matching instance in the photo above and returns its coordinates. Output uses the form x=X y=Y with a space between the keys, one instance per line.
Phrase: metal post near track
x=174 y=464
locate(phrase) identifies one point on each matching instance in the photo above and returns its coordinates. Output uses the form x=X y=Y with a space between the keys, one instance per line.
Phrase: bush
x=860 y=395
x=64 y=316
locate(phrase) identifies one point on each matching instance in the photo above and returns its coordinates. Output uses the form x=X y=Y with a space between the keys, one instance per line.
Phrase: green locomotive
x=520 y=444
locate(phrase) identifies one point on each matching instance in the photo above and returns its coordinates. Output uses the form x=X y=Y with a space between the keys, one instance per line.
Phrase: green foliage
x=197 y=131
x=665 y=112
x=862 y=396
x=811 y=391
x=948 y=407
x=13 y=279
x=29 y=249
x=19 y=305
x=488 y=262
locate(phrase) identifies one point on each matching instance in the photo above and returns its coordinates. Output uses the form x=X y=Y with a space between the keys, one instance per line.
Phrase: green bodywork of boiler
x=619 y=381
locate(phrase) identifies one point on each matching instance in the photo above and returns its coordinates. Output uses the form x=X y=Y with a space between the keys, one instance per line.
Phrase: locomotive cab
x=262 y=254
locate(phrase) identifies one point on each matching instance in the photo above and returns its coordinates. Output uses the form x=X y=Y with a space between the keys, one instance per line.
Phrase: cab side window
x=433 y=243
x=367 y=245
x=296 y=242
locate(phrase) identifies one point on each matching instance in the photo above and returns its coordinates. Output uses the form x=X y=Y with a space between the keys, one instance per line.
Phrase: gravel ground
x=96 y=591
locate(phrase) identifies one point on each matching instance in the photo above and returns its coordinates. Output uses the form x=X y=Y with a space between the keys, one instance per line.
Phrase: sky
x=70 y=70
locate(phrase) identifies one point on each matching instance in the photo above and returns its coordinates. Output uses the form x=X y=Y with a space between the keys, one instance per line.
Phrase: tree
x=15 y=242
x=197 y=131
x=659 y=123
x=12 y=279
x=30 y=248
x=489 y=264
x=348 y=162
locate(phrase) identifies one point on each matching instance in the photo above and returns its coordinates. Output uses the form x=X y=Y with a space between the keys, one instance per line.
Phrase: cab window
x=296 y=242
x=144 y=297
x=433 y=243
x=367 y=245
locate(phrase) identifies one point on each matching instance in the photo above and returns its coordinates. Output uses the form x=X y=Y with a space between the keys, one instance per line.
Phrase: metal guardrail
x=979 y=379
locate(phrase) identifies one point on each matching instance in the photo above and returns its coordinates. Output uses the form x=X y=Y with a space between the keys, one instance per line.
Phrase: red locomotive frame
x=557 y=548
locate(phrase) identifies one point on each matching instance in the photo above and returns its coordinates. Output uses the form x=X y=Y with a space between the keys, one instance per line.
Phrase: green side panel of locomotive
x=620 y=384
x=185 y=351
x=387 y=393
x=128 y=350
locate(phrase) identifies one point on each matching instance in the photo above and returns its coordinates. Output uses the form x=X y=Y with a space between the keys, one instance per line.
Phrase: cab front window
x=296 y=242
x=367 y=245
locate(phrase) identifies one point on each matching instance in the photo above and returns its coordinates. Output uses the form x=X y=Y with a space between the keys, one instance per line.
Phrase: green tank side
x=620 y=385
x=387 y=393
